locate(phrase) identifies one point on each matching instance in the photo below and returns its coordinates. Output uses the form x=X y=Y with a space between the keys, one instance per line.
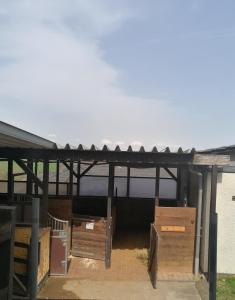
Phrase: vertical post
x=44 y=207
x=213 y=236
x=36 y=173
x=157 y=185
x=10 y=183
x=71 y=179
x=57 y=177
x=78 y=185
x=29 y=184
x=128 y=182
x=109 y=217
x=178 y=191
x=34 y=249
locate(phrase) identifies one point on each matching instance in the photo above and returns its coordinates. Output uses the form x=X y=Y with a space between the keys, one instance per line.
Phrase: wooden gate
x=59 y=245
x=153 y=250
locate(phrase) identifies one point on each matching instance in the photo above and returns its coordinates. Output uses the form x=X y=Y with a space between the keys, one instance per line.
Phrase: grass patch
x=226 y=288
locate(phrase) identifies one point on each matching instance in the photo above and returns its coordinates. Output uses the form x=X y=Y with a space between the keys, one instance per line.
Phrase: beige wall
x=226 y=223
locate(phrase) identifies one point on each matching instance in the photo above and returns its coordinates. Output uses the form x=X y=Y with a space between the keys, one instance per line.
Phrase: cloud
x=54 y=73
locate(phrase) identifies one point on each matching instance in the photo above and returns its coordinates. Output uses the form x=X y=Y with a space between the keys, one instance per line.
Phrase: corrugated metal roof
x=14 y=137
x=129 y=148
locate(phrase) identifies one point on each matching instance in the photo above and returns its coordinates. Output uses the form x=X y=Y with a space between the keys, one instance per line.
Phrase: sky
x=156 y=72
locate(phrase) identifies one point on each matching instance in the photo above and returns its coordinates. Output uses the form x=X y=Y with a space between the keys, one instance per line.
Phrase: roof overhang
x=11 y=136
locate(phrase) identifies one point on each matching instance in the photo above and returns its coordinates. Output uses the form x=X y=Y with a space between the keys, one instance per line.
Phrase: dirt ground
x=68 y=288
x=127 y=278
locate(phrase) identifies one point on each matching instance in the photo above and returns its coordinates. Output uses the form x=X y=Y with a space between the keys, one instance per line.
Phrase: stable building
x=111 y=201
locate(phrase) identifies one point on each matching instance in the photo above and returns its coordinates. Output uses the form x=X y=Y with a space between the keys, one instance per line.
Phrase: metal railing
x=57 y=224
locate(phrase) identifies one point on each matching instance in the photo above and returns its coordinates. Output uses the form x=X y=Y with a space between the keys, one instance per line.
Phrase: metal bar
x=34 y=249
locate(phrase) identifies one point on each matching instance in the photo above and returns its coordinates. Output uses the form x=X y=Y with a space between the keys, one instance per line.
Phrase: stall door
x=59 y=252
x=59 y=246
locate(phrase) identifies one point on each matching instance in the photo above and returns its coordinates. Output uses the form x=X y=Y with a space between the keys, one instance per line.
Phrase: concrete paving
x=68 y=288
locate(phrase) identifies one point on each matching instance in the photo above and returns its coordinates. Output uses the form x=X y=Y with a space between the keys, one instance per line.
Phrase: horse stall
x=23 y=253
x=90 y=227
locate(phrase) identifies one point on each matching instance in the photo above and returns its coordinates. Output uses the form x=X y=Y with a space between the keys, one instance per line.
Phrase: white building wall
x=226 y=223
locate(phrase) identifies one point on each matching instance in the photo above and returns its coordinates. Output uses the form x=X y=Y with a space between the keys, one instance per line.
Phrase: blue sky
x=127 y=72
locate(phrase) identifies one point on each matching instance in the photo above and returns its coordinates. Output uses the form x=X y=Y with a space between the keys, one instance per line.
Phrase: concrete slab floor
x=69 y=288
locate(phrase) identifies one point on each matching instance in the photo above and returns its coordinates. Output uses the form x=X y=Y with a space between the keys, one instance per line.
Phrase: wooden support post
x=57 y=177
x=29 y=184
x=70 y=191
x=10 y=184
x=128 y=182
x=44 y=206
x=33 y=272
x=157 y=185
x=78 y=186
x=213 y=236
x=36 y=174
x=178 y=188
x=109 y=217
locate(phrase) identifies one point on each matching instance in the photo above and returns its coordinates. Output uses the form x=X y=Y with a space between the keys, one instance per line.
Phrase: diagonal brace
x=170 y=173
x=29 y=173
x=88 y=169
x=69 y=168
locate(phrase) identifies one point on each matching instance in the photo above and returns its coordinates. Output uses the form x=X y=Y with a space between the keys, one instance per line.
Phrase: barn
x=82 y=203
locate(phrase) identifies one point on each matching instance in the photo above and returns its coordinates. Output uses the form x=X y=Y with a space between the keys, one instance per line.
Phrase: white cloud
x=54 y=71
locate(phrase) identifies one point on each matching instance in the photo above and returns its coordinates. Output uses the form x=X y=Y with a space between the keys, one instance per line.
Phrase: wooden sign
x=173 y=228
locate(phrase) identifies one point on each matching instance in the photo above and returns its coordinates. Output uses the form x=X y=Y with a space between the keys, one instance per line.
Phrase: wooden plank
x=177 y=221
x=173 y=228
x=90 y=236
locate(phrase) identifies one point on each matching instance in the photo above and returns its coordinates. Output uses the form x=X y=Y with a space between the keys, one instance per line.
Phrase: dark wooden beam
x=36 y=174
x=213 y=236
x=71 y=173
x=44 y=202
x=33 y=271
x=88 y=169
x=109 y=217
x=157 y=158
x=29 y=172
x=178 y=188
x=75 y=205
x=10 y=182
x=29 y=184
x=170 y=173
x=128 y=182
x=157 y=186
x=68 y=166
x=57 y=177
